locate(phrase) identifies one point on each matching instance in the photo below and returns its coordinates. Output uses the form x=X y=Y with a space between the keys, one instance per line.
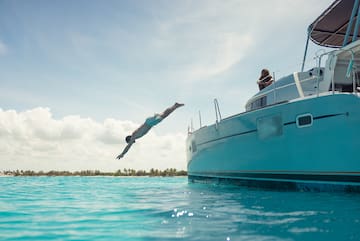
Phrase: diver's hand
x=120 y=156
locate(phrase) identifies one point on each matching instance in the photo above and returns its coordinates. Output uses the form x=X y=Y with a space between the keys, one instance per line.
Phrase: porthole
x=305 y=120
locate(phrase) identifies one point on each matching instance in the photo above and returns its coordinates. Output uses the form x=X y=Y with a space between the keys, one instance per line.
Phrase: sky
x=77 y=77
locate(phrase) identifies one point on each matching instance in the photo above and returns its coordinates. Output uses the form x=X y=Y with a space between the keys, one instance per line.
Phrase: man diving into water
x=144 y=128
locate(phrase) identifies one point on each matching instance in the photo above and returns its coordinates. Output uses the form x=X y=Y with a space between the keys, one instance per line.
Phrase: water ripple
x=102 y=208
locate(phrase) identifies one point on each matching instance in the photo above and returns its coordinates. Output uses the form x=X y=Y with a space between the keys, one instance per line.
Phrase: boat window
x=259 y=103
x=304 y=120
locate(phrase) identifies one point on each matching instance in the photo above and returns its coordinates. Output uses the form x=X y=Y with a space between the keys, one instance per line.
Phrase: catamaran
x=302 y=131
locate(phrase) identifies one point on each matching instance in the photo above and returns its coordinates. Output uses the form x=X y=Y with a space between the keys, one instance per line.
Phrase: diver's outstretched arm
x=125 y=150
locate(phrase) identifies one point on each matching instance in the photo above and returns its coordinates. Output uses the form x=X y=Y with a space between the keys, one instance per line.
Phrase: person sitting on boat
x=265 y=79
x=144 y=128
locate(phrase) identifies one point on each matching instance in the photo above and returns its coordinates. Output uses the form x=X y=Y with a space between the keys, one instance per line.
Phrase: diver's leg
x=169 y=110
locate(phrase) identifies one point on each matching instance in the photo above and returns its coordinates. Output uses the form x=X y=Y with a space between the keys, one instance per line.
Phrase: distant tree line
x=169 y=172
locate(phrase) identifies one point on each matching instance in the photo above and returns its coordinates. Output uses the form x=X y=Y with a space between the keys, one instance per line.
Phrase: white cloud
x=203 y=40
x=207 y=38
x=34 y=140
x=231 y=48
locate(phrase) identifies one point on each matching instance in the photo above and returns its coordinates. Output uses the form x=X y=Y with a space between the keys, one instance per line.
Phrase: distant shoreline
x=169 y=172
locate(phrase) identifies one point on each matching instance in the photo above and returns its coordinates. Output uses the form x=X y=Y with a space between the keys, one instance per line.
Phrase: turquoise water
x=107 y=208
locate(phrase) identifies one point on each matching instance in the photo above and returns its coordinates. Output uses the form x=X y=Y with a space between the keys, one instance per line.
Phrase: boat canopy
x=331 y=28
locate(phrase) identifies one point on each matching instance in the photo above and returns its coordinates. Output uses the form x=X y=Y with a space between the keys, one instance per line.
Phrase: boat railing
x=318 y=74
x=350 y=71
x=274 y=87
x=319 y=57
x=191 y=127
x=217 y=112
x=200 y=122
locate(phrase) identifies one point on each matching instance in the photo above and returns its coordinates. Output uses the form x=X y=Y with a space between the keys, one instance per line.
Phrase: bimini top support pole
x=306 y=48
x=349 y=27
x=356 y=30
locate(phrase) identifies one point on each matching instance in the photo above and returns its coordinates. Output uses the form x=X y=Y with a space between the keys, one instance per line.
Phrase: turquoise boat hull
x=307 y=141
